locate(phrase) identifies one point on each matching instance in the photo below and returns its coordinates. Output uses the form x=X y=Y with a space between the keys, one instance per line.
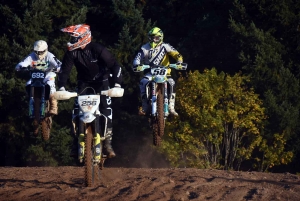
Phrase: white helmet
x=40 y=48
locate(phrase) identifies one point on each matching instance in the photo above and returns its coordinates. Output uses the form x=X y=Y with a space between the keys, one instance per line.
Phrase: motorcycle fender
x=87 y=117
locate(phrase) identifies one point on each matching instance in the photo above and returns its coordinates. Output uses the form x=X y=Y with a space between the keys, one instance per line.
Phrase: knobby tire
x=92 y=173
x=46 y=123
x=158 y=121
x=156 y=137
x=160 y=111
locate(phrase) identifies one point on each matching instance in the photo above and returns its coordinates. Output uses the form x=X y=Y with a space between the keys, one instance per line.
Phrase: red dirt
x=145 y=184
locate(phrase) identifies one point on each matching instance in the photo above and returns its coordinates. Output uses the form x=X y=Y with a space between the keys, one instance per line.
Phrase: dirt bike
x=39 y=105
x=89 y=119
x=157 y=95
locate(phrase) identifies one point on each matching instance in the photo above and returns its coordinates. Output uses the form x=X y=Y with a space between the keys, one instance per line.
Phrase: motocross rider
x=42 y=59
x=93 y=63
x=156 y=52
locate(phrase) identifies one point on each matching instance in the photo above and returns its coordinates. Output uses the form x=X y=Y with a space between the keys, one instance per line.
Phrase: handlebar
x=31 y=68
x=22 y=68
x=177 y=66
x=65 y=95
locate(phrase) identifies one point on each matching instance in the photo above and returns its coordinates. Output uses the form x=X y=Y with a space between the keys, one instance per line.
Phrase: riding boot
x=53 y=105
x=80 y=147
x=145 y=106
x=97 y=154
x=172 y=105
x=108 y=146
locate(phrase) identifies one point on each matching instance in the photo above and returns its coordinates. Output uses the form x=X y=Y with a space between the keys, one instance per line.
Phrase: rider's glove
x=138 y=68
x=179 y=65
x=55 y=69
x=58 y=68
x=117 y=85
x=62 y=89
x=18 y=68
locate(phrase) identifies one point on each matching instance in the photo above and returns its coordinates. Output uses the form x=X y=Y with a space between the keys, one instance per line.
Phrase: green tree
x=267 y=39
x=220 y=123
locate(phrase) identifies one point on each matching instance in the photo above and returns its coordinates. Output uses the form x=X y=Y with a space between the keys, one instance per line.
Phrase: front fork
x=166 y=100
x=164 y=88
x=31 y=102
x=153 y=98
x=97 y=149
x=42 y=104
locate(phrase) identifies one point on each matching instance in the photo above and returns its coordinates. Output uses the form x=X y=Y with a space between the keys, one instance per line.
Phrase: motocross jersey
x=157 y=56
x=93 y=63
x=32 y=60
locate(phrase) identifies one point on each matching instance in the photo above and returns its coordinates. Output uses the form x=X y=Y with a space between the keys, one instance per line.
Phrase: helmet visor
x=40 y=52
x=155 y=39
x=74 y=39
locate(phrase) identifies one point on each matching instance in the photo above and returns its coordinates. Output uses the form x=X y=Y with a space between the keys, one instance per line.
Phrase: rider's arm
x=26 y=62
x=54 y=62
x=174 y=53
x=65 y=70
x=112 y=64
x=138 y=60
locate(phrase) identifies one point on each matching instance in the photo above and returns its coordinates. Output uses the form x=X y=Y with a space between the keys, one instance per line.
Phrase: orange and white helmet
x=40 y=48
x=80 y=36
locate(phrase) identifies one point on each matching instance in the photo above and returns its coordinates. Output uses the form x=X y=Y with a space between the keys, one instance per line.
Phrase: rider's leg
x=172 y=95
x=106 y=110
x=145 y=105
x=80 y=141
x=53 y=102
x=53 y=105
x=75 y=123
x=97 y=139
x=77 y=149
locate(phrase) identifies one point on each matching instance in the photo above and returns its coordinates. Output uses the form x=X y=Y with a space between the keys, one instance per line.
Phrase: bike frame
x=154 y=87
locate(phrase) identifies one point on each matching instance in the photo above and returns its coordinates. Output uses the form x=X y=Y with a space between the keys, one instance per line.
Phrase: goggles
x=74 y=39
x=40 y=52
x=41 y=64
x=155 y=38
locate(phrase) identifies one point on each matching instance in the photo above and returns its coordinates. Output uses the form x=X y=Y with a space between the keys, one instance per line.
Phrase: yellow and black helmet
x=155 y=37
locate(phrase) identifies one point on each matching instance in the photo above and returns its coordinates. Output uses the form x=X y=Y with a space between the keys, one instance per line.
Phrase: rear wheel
x=46 y=124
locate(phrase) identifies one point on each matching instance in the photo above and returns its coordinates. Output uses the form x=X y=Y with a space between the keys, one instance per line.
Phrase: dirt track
x=125 y=184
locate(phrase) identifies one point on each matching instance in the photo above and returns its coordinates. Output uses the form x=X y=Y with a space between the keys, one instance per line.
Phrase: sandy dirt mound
x=125 y=184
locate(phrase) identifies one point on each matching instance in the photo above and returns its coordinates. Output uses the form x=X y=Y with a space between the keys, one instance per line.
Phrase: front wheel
x=91 y=168
x=155 y=133
x=160 y=111
x=158 y=121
